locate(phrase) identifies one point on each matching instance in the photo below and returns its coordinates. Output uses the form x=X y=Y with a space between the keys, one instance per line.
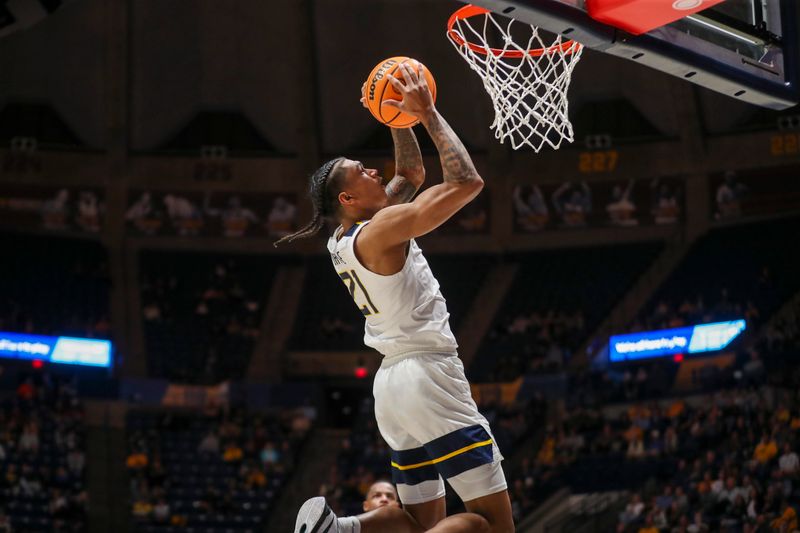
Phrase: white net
x=527 y=82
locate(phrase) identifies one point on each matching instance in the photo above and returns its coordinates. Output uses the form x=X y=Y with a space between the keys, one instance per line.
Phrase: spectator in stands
x=633 y=511
x=210 y=444
x=29 y=440
x=252 y=477
x=789 y=463
x=151 y=312
x=269 y=454
x=142 y=509
x=649 y=524
x=698 y=524
x=281 y=218
x=161 y=511
x=232 y=453
x=136 y=461
x=766 y=450
x=729 y=197
x=5 y=522
x=573 y=210
x=29 y=483
x=665 y=207
x=76 y=461
x=380 y=494
x=787 y=521
x=59 y=505
x=530 y=207
x=620 y=208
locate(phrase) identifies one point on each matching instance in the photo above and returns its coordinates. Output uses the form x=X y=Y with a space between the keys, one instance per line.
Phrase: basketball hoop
x=527 y=82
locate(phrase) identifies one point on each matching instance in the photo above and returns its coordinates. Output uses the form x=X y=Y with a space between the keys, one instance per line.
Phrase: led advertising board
x=666 y=342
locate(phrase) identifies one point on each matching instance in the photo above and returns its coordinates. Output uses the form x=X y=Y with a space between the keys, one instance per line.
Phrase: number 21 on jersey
x=358 y=292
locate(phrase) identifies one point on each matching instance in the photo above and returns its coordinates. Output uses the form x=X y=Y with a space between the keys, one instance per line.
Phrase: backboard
x=747 y=49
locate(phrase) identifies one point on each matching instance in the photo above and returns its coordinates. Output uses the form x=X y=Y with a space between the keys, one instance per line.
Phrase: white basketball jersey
x=405 y=312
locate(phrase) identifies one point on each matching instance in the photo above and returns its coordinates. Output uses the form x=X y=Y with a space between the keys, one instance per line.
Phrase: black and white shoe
x=315 y=516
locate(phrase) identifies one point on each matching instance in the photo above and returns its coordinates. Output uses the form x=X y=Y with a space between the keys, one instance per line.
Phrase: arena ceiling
x=290 y=70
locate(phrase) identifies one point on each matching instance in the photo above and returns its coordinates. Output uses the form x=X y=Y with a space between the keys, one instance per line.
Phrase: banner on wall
x=62 y=350
x=754 y=192
x=667 y=342
x=211 y=214
x=56 y=209
x=621 y=204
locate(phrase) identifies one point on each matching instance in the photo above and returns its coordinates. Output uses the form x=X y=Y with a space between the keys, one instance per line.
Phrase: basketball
x=378 y=89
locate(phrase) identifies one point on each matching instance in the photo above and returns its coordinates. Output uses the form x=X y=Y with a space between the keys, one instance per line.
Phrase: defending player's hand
x=417 y=99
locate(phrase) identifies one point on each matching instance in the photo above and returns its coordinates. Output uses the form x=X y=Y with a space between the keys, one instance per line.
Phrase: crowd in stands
x=54 y=286
x=554 y=303
x=535 y=343
x=728 y=463
x=202 y=313
x=42 y=457
x=216 y=470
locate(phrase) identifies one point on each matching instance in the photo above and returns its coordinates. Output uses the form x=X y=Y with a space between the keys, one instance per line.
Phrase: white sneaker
x=315 y=516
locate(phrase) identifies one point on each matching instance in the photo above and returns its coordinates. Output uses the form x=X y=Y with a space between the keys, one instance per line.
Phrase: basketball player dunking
x=423 y=405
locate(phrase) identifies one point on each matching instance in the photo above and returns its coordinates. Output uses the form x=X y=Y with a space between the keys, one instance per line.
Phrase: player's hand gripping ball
x=378 y=89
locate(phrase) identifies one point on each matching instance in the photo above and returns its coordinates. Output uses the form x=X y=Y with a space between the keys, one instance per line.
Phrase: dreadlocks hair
x=324 y=192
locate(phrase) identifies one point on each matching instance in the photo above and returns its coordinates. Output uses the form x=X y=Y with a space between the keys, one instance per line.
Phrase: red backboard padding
x=641 y=16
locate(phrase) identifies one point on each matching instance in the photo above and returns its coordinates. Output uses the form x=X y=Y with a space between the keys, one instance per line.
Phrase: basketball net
x=527 y=82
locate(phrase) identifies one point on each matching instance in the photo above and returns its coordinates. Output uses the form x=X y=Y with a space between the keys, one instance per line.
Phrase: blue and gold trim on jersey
x=449 y=455
x=352 y=230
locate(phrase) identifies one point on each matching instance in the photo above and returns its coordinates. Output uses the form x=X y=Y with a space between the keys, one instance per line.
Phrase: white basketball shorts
x=426 y=414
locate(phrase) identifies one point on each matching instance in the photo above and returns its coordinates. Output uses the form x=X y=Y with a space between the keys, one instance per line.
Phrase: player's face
x=381 y=495
x=364 y=189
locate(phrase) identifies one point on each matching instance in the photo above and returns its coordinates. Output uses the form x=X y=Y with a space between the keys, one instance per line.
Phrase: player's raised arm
x=461 y=181
x=409 y=169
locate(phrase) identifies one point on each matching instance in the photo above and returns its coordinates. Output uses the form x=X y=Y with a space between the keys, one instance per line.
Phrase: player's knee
x=500 y=525
x=390 y=512
x=482 y=525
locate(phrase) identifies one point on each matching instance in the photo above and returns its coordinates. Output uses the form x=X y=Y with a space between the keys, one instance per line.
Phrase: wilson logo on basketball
x=379 y=76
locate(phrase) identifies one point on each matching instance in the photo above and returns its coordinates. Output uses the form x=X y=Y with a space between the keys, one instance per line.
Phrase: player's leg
x=316 y=517
x=467 y=454
x=496 y=509
x=483 y=491
x=431 y=516
x=428 y=514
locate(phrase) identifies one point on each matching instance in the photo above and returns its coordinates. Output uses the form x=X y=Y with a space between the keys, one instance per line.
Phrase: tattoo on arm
x=409 y=169
x=400 y=190
x=457 y=165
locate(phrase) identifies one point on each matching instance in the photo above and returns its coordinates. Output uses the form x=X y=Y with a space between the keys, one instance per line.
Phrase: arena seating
x=54 y=286
x=732 y=272
x=43 y=456
x=729 y=462
x=556 y=300
x=191 y=472
x=743 y=271
x=337 y=325
x=202 y=312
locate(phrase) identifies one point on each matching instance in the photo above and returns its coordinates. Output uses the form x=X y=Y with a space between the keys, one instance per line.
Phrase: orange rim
x=567 y=47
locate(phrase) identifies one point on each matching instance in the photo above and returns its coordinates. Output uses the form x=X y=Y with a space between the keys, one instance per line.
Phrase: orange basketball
x=379 y=89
